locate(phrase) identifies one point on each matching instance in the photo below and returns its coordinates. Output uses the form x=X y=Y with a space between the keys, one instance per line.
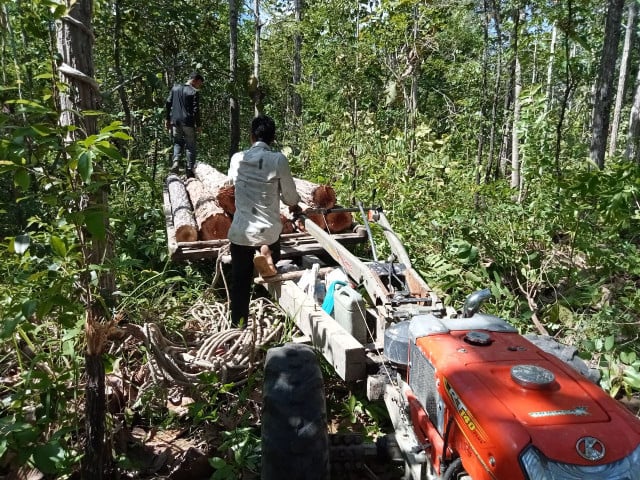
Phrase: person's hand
x=167 y=124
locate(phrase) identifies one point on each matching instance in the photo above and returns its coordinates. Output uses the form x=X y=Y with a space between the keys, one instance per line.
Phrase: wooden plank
x=293 y=245
x=343 y=352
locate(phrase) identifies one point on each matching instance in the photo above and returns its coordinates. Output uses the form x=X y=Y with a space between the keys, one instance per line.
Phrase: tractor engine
x=486 y=403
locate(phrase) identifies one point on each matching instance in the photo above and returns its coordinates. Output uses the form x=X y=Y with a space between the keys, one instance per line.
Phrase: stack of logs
x=203 y=207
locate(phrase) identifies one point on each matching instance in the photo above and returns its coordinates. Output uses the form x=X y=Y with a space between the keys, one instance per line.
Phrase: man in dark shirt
x=183 y=119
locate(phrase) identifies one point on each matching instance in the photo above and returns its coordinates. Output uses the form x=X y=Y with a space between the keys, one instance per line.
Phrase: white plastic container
x=349 y=312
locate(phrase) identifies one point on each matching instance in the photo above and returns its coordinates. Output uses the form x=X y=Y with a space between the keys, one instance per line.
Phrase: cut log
x=315 y=195
x=219 y=184
x=288 y=225
x=184 y=222
x=338 y=222
x=213 y=222
x=210 y=176
x=226 y=198
x=316 y=218
x=333 y=222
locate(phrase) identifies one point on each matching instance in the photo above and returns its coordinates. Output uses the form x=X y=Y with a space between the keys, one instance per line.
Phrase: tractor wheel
x=295 y=443
x=566 y=353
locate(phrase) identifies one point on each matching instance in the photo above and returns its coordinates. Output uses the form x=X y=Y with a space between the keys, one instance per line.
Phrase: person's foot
x=175 y=166
x=190 y=173
x=264 y=266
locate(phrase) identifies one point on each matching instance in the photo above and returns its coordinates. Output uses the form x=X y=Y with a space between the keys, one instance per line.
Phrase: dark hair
x=196 y=76
x=263 y=128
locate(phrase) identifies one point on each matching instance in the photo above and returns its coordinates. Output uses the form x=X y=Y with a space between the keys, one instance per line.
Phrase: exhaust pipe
x=474 y=301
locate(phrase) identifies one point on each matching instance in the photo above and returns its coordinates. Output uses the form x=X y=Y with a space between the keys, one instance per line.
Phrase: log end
x=186 y=233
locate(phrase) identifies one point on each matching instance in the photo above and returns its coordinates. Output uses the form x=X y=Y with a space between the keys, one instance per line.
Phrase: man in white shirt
x=262 y=178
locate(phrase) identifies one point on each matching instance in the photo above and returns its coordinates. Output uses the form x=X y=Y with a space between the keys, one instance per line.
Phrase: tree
x=234 y=103
x=604 y=83
x=623 y=73
x=297 y=67
x=632 y=152
x=77 y=102
x=254 y=86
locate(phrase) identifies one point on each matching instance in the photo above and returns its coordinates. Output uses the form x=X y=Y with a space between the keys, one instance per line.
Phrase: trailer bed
x=293 y=245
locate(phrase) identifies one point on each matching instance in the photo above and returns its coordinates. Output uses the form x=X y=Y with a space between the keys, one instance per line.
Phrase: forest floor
x=195 y=431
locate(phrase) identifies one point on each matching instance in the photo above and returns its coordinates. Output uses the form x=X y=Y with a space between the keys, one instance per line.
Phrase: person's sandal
x=264 y=268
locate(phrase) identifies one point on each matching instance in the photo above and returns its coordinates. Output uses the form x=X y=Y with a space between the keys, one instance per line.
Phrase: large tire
x=295 y=443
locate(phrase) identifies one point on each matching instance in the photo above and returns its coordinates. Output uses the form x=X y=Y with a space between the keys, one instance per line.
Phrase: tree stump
x=213 y=222
x=183 y=220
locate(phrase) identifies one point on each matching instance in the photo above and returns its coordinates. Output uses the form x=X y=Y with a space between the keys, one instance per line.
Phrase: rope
x=229 y=353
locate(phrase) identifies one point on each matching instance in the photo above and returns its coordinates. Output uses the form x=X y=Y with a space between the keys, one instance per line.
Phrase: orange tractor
x=468 y=396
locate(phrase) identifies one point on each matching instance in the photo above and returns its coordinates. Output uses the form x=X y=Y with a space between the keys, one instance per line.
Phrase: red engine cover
x=499 y=412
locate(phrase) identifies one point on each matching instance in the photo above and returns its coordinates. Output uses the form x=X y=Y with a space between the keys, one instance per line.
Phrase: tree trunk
x=234 y=105
x=122 y=91
x=482 y=130
x=552 y=55
x=515 y=139
x=494 y=12
x=75 y=47
x=632 y=151
x=296 y=99
x=257 y=92
x=569 y=85
x=184 y=222
x=506 y=148
x=213 y=222
x=622 y=75
x=315 y=195
x=219 y=185
x=603 y=94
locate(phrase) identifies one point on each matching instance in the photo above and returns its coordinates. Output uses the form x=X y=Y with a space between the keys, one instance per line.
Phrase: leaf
x=22 y=178
x=632 y=377
x=609 y=342
x=9 y=326
x=85 y=165
x=3 y=447
x=95 y=220
x=217 y=463
x=107 y=149
x=122 y=136
x=58 y=246
x=47 y=457
x=29 y=308
x=21 y=244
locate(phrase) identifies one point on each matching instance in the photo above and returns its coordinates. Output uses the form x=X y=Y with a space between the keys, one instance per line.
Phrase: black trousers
x=242 y=279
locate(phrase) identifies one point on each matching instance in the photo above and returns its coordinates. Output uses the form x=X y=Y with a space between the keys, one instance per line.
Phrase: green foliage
x=241 y=447
x=619 y=365
x=566 y=252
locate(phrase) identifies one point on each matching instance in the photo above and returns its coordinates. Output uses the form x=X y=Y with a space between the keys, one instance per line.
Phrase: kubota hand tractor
x=468 y=396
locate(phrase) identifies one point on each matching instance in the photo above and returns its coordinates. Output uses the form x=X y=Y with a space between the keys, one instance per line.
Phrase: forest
x=501 y=138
